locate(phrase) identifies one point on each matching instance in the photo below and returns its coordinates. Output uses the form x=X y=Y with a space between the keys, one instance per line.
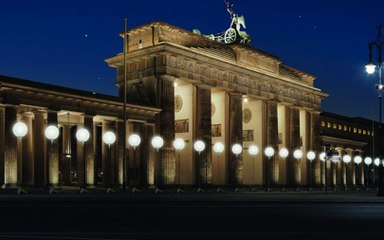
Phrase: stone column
x=107 y=155
x=272 y=164
x=118 y=178
x=146 y=155
x=151 y=155
x=53 y=152
x=348 y=170
x=235 y=128
x=294 y=175
x=2 y=143
x=39 y=149
x=136 y=156
x=89 y=151
x=10 y=148
x=340 y=168
x=315 y=146
x=66 y=155
x=203 y=132
x=25 y=169
x=167 y=130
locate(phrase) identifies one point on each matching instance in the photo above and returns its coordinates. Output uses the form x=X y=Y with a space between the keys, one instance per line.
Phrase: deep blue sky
x=65 y=42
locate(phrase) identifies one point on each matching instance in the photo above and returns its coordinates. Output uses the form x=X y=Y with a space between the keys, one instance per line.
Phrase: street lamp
x=109 y=138
x=179 y=145
x=298 y=154
x=20 y=129
x=253 y=150
x=323 y=158
x=310 y=156
x=82 y=135
x=269 y=152
x=134 y=141
x=51 y=133
x=237 y=149
x=346 y=159
x=218 y=148
x=157 y=142
x=283 y=153
x=370 y=68
x=199 y=146
x=368 y=162
x=357 y=160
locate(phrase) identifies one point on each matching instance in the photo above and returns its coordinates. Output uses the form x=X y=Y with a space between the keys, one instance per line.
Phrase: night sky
x=65 y=42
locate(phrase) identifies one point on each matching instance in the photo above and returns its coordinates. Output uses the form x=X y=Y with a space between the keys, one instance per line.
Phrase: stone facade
x=178 y=85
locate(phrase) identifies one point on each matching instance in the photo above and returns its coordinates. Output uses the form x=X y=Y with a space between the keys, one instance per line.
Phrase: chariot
x=233 y=33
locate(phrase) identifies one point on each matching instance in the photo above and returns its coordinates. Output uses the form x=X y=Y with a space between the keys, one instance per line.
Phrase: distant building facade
x=179 y=84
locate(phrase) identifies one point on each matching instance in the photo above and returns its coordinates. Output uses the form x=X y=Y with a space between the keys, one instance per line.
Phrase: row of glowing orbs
x=20 y=129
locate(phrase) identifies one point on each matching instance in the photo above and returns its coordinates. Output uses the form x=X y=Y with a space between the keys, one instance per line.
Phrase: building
x=352 y=137
x=179 y=84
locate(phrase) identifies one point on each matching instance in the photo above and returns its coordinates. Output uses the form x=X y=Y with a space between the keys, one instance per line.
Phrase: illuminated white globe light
x=253 y=150
x=82 y=135
x=370 y=68
x=368 y=161
x=376 y=162
x=237 y=149
x=311 y=155
x=109 y=138
x=357 y=160
x=179 y=144
x=157 y=142
x=269 y=151
x=218 y=147
x=347 y=159
x=298 y=154
x=322 y=156
x=199 y=146
x=283 y=153
x=134 y=140
x=20 y=129
x=51 y=132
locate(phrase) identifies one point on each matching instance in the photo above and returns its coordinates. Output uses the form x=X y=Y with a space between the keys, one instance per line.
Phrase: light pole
x=157 y=142
x=376 y=162
x=134 y=141
x=357 y=160
x=346 y=159
x=199 y=146
x=51 y=133
x=109 y=138
x=283 y=153
x=323 y=158
x=237 y=149
x=82 y=135
x=310 y=156
x=218 y=148
x=20 y=129
x=298 y=154
x=253 y=150
x=179 y=145
x=368 y=162
x=370 y=68
x=269 y=152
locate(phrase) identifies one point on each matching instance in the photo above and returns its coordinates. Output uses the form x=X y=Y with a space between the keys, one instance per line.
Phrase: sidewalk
x=191 y=194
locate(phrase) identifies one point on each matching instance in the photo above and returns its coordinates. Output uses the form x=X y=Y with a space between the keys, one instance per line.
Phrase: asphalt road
x=209 y=216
